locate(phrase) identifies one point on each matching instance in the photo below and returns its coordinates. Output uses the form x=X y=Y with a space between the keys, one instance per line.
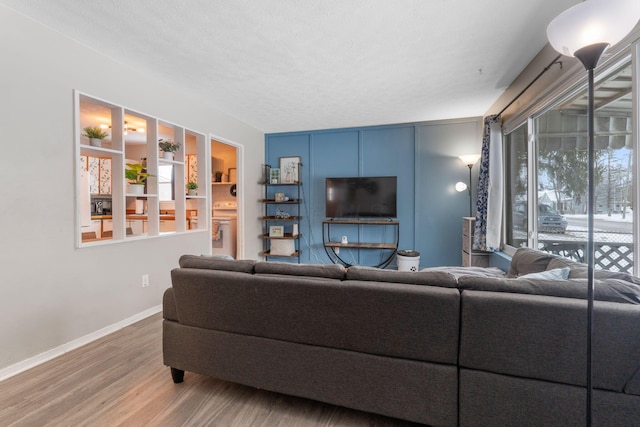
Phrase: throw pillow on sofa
x=553 y=274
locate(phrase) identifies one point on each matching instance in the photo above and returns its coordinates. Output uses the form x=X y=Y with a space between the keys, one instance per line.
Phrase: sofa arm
x=169 y=311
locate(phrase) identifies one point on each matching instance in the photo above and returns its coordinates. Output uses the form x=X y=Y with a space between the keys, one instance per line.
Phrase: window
x=558 y=183
x=516 y=187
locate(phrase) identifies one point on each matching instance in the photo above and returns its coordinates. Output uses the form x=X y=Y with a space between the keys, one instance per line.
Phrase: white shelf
x=164 y=161
x=90 y=149
x=141 y=195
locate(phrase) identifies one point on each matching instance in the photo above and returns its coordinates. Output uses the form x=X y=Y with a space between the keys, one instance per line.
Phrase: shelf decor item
x=95 y=135
x=137 y=178
x=279 y=197
x=168 y=147
x=192 y=187
x=276 y=231
x=289 y=169
x=274 y=176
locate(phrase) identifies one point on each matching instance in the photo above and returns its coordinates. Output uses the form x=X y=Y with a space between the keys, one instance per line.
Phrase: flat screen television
x=362 y=197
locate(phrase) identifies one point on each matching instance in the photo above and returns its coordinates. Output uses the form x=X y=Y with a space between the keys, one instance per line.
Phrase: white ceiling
x=285 y=65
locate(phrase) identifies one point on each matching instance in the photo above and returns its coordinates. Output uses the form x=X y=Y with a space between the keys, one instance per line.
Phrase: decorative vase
x=168 y=155
x=135 y=189
x=193 y=192
x=95 y=142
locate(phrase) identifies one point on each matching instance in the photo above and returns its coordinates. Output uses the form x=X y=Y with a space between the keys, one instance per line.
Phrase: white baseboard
x=72 y=345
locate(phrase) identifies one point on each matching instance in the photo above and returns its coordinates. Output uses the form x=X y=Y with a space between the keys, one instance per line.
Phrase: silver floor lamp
x=585 y=31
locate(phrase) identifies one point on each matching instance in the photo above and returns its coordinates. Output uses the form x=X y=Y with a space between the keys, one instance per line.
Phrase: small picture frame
x=279 y=197
x=289 y=170
x=274 y=176
x=276 y=231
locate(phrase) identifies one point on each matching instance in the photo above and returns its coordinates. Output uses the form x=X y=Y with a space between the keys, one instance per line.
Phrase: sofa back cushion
x=612 y=290
x=217 y=263
x=430 y=278
x=328 y=271
x=388 y=319
x=544 y=337
x=527 y=260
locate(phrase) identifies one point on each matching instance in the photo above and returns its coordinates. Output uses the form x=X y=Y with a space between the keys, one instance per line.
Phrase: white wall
x=50 y=292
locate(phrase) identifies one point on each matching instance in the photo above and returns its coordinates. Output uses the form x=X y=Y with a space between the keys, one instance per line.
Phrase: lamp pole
x=589 y=56
x=585 y=31
x=469 y=188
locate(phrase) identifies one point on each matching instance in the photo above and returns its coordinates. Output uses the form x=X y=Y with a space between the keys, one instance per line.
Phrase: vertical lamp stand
x=585 y=31
x=469 y=189
x=470 y=160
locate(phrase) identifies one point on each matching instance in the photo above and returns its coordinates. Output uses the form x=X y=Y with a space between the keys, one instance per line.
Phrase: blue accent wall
x=424 y=157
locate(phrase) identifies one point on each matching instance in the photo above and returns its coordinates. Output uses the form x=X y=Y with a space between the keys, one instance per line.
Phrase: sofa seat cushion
x=216 y=263
x=430 y=278
x=328 y=271
x=604 y=290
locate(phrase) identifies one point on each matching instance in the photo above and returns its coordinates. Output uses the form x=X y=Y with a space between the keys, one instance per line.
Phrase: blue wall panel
x=439 y=207
x=424 y=158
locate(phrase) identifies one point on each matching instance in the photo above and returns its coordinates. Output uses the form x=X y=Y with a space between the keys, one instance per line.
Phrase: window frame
x=574 y=84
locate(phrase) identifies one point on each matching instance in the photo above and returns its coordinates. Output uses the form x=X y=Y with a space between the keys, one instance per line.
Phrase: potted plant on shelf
x=137 y=178
x=95 y=135
x=192 y=186
x=168 y=147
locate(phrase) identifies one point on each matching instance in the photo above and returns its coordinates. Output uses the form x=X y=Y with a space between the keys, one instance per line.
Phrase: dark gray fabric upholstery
x=542 y=337
x=377 y=342
x=488 y=399
x=605 y=290
x=527 y=260
x=169 y=310
x=215 y=263
x=430 y=278
x=329 y=271
x=414 y=322
x=415 y=391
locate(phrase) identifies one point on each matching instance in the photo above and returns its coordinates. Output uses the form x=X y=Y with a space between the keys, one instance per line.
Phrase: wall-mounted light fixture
x=585 y=31
x=469 y=160
x=460 y=186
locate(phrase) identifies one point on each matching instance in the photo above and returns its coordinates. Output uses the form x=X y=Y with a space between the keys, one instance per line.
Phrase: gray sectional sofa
x=443 y=346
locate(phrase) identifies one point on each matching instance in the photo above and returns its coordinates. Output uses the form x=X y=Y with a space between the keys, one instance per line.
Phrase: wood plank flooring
x=120 y=380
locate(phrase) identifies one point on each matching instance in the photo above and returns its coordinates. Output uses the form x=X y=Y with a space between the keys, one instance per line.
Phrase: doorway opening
x=225 y=189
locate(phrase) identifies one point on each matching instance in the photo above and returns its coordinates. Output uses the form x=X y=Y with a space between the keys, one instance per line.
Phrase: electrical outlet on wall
x=145 y=280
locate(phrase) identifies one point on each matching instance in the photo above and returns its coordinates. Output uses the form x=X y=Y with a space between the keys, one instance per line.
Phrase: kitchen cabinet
x=167 y=225
x=137 y=226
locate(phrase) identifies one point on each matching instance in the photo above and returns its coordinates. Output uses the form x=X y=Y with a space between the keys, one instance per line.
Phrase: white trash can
x=408 y=260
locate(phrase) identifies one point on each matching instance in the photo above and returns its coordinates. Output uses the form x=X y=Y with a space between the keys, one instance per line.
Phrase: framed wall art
x=276 y=231
x=289 y=170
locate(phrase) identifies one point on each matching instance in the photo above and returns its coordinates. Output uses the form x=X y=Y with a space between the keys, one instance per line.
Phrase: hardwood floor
x=120 y=380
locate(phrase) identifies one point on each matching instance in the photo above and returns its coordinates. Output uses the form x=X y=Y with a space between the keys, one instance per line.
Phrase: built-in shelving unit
x=164 y=207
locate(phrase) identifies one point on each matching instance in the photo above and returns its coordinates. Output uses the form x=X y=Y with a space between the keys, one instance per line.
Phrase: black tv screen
x=362 y=197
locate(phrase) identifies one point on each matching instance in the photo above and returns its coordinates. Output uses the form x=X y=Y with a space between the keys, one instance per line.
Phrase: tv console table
x=332 y=248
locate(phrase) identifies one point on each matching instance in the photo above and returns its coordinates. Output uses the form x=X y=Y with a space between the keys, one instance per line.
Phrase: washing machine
x=224 y=228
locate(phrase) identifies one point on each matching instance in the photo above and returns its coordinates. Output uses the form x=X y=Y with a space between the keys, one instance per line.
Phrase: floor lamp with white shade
x=585 y=31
